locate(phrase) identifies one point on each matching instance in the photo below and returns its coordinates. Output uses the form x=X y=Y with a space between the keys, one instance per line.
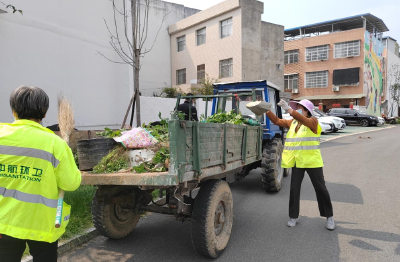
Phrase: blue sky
x=295 y=13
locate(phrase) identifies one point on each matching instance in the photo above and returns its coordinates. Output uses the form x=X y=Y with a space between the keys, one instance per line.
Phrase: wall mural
x=373 y=62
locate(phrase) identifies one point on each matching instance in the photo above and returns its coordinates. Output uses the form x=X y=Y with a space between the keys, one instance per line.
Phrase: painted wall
x=373 y=66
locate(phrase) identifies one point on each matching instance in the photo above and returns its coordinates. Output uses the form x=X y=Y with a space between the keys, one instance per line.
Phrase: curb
x=68 y=245
x=337 y=137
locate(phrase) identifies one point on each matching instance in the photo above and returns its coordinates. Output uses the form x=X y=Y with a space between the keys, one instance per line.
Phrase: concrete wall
x=251 y=39
x=272 y=62
x=155 y=72
x=331 y=64
x=215 y=48
x=54 y=46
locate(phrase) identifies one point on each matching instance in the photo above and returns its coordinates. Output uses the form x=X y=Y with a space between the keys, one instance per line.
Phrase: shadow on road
x=259 y=232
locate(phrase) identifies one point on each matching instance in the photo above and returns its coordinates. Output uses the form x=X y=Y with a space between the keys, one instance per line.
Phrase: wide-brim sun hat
x=306 y=103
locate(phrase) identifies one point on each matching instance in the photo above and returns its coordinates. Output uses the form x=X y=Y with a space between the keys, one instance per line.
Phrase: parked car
x=327 y=125
x=339 y=123
x=353 y=116
x=381 y=120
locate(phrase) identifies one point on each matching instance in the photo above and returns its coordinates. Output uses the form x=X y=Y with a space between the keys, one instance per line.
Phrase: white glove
x=284 y=105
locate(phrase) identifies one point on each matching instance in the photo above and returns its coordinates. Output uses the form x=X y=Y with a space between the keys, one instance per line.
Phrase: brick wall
x=331 y=64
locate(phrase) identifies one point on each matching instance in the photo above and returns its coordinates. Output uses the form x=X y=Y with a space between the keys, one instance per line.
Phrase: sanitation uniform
x=34 y=165
x=301 y=153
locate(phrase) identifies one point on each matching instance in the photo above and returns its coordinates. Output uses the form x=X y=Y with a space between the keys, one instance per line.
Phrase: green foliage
x=161 y=155
x=116 y=160
x=159 y=132
x=206 y=86
x=170 y=92
x=110 y=133
x=224 y=117
x=180 y=115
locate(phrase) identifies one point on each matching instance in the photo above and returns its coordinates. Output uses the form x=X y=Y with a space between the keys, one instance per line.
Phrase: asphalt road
x=363 y=177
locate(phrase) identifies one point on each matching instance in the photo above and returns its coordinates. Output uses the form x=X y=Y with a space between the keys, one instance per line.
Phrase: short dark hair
x=189 y=94
x=29 y=102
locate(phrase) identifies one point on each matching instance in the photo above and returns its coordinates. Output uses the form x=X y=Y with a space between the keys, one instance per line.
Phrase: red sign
x=336 y=105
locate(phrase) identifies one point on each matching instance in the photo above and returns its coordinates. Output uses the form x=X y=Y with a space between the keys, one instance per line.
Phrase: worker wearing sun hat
x=301 y=153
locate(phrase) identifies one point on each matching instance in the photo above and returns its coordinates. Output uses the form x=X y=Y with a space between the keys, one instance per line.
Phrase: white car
x=339 y=123
x=326 y=124
x=381 y=121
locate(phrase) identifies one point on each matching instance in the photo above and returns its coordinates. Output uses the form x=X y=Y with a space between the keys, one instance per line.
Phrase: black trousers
x=12 y=249
x=318 y=181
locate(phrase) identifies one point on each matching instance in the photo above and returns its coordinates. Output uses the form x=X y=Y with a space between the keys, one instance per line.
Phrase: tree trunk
x=136 y=67
x=136 y=83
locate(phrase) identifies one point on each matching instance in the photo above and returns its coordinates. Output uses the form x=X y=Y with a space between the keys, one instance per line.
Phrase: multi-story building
x=392 y=76
x=228 y=42
x=337 y=63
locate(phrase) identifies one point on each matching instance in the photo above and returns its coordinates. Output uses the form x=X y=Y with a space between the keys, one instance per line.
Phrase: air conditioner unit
x=335 y=88
x=295 y=91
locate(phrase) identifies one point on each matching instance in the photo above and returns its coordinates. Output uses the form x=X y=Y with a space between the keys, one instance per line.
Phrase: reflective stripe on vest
x=28 y=198
x=301 y=139
x=29 y=152
x=300 y=147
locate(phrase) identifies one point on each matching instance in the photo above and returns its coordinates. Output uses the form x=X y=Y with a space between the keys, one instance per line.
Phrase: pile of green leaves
x=116 y=160
x=159 y=132
x=158 y=164
x=224 y=117
x=110 y=133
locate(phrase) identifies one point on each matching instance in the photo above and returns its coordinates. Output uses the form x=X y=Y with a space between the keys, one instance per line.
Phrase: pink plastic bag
x=136 y=138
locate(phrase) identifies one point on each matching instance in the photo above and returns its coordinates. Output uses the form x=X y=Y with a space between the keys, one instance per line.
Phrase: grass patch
x=81 y=217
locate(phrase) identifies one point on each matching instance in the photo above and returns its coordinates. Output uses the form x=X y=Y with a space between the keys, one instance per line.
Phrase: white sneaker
x=292 y=222
x=330 y=223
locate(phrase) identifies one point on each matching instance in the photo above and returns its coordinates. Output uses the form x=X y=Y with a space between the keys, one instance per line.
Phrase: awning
x=319 y=97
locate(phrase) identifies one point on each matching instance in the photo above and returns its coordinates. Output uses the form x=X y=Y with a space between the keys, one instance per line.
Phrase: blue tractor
x=273 y=135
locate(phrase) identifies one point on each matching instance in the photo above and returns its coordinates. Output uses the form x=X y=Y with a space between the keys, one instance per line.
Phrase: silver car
x=339 y=123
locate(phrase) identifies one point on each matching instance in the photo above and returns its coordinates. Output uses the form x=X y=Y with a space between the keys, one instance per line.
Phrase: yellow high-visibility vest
x=34 y=164
x=302 y=148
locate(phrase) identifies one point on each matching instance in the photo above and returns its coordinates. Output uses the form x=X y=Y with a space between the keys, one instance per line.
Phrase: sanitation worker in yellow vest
x=34 y=165
x=301 y=153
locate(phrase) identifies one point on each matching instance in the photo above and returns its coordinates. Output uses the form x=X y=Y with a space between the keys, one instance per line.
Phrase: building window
x=317 y=53
x=291 y=81
x=201 y=36
x=225 y=68
x=201 y=73
x=317 y=79
x=291 y=57
x=181 y=43
x=226 y=27
x=181 y=76
x=346 y=77
x=347 y=49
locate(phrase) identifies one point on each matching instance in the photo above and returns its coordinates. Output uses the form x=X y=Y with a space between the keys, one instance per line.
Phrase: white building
x=392 y=59
x=55 y=46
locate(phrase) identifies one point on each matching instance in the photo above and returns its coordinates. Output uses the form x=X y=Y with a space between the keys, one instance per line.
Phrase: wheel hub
x=219 y=220
x=121 y=213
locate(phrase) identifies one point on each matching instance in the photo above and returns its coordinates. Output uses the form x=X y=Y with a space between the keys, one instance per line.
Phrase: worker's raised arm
x=279 y=122
x=67 y=173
